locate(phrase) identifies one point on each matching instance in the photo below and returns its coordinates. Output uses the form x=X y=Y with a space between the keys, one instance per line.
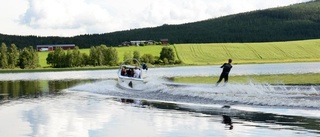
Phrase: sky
x=77 y=17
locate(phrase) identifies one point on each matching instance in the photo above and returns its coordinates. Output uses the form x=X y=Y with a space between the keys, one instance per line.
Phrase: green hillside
x=217 y=53
x=243 y=53
x=294 y=22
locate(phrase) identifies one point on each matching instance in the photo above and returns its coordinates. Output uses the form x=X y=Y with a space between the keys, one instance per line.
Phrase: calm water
x=89 y=104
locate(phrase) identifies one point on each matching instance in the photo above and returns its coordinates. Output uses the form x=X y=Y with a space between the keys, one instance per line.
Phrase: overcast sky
x=76 y=17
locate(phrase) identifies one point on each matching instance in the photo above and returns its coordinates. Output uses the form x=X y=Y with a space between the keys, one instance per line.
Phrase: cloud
x=62 y=14
x=74 y=17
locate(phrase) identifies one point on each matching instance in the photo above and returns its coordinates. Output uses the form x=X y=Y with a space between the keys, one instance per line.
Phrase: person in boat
x=130 y=72
x=226 y=67
x=136 y=72
x=123 y=71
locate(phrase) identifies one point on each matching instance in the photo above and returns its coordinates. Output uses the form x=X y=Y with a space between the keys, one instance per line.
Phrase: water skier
x=225 y=72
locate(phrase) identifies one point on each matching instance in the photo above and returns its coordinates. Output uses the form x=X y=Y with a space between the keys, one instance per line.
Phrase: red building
x=53 y=47
x=164 y=41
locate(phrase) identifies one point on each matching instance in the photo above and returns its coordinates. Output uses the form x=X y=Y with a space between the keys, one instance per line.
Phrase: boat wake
x=231 y=94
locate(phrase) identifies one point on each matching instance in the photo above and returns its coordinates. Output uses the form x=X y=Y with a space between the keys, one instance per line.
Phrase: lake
x=90 y=104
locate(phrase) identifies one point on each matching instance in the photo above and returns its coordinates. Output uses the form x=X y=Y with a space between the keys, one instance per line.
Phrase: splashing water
x=244 y=94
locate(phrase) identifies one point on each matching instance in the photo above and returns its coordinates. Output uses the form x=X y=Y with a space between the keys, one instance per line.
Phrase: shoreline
x=308 y=79
x=49 y=69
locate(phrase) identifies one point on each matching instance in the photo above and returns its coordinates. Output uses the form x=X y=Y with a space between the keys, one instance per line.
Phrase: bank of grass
x=248 y=53
x=288 y=79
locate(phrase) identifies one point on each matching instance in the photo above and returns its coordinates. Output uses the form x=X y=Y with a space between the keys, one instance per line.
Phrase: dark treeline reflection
x=36 y=88
x=228 y=114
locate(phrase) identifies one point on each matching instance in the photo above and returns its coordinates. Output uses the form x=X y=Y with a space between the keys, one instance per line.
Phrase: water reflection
x=171 y=106
x=144 y=103
x=227 y=120
x=34 y=88
x=85 y=115
x=165 y=105
x=270 y=120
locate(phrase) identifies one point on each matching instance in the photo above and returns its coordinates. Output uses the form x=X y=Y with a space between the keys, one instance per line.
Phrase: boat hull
x=131 y=83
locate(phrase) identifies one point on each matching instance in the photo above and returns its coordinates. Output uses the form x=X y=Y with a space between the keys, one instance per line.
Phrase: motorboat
x=130 y=76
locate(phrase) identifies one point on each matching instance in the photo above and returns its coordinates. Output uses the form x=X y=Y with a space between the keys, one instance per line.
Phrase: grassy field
x=42 y=59
x=290 y=79
x=243 y=53
x=217 y=53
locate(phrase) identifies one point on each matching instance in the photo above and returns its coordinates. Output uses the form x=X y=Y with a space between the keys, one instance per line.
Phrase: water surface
x=90 y=104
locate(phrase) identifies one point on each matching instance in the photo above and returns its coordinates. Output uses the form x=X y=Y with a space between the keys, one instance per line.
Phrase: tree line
x=12 y=57
x=294 y=22
x=105 y=56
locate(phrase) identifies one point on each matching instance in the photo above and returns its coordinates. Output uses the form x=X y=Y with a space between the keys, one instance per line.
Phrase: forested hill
x=294 y=22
